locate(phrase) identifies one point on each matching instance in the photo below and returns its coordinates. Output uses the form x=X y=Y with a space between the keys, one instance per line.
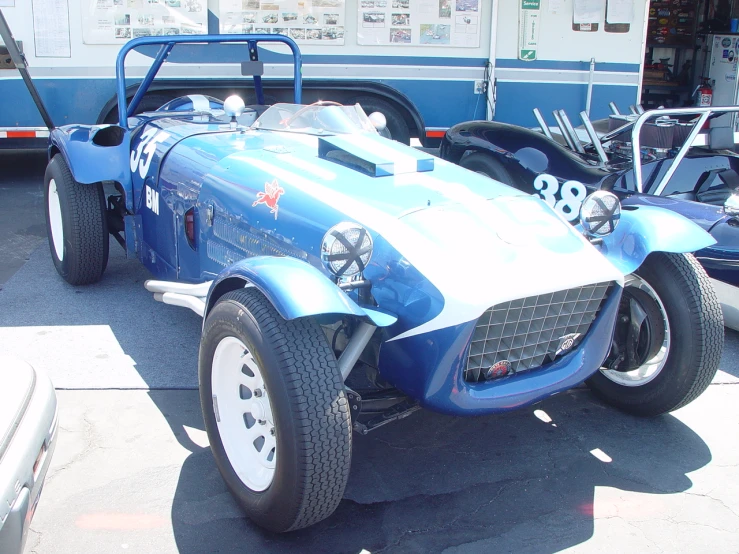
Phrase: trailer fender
x=94 y=153
x=295 y=288
x=649 y=229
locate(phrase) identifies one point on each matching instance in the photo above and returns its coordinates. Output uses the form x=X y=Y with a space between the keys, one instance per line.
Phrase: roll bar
x=702 y=113
x=167 y=43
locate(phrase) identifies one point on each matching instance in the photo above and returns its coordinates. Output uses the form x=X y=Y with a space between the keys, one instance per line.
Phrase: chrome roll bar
x=702 y=113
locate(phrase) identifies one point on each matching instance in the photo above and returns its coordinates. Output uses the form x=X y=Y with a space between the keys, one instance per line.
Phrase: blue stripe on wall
x=515 y=101
x=572 y=66
x=68 y=101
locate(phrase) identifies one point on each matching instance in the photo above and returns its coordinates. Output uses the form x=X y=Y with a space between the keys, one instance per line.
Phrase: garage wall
x=558 y=79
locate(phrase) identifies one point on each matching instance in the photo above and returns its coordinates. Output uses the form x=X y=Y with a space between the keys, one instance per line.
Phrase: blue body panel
x=296 y=289
x=647 y=229
x=90 y=162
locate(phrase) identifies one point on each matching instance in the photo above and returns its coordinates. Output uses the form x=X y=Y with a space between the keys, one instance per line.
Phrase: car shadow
x=526 y=481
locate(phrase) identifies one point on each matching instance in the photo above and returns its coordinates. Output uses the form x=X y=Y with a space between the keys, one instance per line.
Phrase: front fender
x=295 y=288
x=648 y=229
x=94 y=153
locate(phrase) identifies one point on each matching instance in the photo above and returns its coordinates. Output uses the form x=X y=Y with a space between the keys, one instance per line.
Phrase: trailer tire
x=396 y=125
x=485 y=164
x=149 y=103
x=76 y=224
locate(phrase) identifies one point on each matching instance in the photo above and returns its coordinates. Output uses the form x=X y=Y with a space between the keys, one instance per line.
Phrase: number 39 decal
x=141 y=158
x=572 y=193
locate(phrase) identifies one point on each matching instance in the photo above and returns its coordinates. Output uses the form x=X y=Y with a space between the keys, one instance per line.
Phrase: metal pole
x=542 y=123
x=591 y=78
x=20 y=63
x=593 y=137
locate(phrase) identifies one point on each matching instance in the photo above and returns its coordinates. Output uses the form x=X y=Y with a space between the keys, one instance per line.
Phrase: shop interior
x=684 y=59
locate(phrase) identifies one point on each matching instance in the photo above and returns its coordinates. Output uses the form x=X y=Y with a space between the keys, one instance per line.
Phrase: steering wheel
x=309 y=107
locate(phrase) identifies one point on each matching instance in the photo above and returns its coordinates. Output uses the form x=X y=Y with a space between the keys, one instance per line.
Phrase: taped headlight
x=600 y=212
x=346 y=249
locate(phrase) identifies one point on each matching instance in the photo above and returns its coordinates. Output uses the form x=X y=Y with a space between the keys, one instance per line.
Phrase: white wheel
x=55 y=221
x=651 y=367
x=245 y=421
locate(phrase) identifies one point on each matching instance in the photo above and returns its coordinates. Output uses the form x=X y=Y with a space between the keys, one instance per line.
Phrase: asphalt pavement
x=133 y=472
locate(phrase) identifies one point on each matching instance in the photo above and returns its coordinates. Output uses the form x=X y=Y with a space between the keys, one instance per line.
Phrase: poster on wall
x=528 y=29
x=305 y=21
x=116 y=21
x=454 y=23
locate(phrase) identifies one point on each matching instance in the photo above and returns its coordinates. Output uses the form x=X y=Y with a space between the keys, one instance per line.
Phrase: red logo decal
x=270 y=196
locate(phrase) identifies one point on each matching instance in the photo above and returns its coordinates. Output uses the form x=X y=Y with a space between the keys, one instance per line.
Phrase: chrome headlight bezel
x=346 y=249
x=600 y=213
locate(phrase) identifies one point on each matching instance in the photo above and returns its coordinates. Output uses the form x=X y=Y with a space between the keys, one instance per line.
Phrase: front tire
x=275 y=412
x=76 y=225
x=676 y=370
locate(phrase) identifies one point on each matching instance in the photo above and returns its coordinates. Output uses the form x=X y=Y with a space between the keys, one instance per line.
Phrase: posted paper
x=449 y=23
x=117 y=21
x=51 y=28
x=304 y=21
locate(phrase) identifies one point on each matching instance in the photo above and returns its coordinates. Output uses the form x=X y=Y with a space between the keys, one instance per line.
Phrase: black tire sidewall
x=69 y=266
x=229 y=318
x=676 y=378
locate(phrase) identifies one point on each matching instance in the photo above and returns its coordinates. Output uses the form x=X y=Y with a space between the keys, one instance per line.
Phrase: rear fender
x=295 y=288
x=648 y=229
x=94 y=153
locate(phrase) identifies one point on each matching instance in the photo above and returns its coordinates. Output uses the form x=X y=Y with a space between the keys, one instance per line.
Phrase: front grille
x=528 y=332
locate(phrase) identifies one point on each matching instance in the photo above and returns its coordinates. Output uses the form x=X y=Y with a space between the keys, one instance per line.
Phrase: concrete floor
x=133 y=472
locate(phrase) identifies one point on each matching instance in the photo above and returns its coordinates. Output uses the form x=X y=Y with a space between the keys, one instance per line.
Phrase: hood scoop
x=373 y=156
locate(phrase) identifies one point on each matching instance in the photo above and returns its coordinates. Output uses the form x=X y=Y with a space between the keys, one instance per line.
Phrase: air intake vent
x=528 y=333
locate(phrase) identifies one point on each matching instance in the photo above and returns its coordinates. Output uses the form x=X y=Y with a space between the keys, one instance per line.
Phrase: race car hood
x=476 y=241
x=375 y=171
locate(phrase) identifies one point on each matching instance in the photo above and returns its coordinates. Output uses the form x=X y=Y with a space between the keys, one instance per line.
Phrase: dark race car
x=683 y=169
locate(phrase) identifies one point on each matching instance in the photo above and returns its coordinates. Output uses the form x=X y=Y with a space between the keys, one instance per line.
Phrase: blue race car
x=345 y=280
x=681 y=169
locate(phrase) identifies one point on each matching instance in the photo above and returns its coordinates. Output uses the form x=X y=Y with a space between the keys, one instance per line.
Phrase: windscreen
x=315 y=119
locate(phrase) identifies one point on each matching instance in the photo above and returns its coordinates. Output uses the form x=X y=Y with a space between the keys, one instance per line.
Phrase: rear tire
x=694 y=340
x=301 y=397
x=397 y=128
x=76 y=224
x=486 y=165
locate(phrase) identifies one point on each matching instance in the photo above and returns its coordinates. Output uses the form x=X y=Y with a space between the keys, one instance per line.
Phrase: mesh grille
x=527 y=332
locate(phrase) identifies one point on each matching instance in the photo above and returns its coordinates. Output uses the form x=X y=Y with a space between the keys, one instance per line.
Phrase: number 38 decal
x=571 y=194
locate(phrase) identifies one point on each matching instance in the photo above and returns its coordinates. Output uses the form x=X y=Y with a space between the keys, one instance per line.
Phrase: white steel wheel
x=245 y=423
x=654 y=364
x=55 y=220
